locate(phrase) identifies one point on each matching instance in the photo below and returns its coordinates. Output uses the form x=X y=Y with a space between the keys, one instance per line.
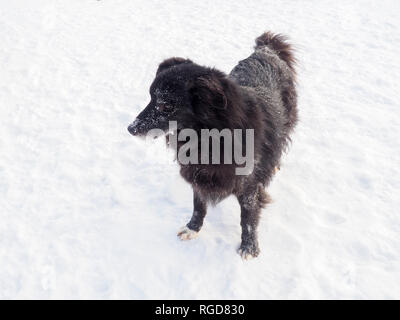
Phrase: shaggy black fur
x=258 y=94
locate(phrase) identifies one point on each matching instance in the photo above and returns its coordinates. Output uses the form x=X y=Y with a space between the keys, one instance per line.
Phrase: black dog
x=258 y=94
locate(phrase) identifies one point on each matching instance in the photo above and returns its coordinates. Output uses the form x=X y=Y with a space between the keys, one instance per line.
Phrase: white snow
x=84 y=212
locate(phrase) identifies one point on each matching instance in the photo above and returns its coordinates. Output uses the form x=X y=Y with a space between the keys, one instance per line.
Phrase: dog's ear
x=208 y=91
x=168 y=63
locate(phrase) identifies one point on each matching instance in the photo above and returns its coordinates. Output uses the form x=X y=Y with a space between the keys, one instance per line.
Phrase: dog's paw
x=248 y=252
x=187 y=234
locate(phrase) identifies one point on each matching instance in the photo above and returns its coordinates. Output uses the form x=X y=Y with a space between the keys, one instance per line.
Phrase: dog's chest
x=213 y=182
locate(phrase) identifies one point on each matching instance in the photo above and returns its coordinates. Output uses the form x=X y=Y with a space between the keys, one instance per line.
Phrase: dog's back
x=270 y=72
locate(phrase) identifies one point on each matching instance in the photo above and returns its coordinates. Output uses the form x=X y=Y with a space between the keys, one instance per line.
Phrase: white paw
x=248 y=253
x=187 y=234
x=245 y=254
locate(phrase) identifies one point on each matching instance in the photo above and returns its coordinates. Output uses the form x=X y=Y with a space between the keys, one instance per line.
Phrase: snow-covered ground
x=84 y=213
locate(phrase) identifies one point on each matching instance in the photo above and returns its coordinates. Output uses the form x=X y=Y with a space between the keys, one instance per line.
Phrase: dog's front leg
x=191 y=230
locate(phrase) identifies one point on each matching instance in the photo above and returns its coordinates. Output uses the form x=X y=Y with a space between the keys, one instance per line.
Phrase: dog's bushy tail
x=279 y=44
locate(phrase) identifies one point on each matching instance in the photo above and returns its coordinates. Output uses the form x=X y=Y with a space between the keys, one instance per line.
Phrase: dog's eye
x=163 y=107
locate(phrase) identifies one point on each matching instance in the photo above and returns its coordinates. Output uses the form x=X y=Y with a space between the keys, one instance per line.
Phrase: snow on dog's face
x=168 y=102
x=194 y=96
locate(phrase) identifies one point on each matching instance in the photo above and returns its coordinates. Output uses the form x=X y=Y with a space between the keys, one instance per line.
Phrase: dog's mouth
x=140 y=128
x=136 y=128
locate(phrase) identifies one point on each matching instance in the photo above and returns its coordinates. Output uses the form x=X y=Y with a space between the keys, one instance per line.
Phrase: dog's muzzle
x=138 y=127
x=133 y=128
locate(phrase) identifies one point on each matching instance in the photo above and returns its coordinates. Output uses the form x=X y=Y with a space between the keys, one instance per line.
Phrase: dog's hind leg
x=192 y=229
x=251 y=202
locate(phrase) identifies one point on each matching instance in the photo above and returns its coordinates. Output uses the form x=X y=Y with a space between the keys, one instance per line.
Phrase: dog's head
x=183 y=92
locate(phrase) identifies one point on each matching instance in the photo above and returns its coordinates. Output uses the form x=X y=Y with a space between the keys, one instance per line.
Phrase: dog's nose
x=132 y=128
